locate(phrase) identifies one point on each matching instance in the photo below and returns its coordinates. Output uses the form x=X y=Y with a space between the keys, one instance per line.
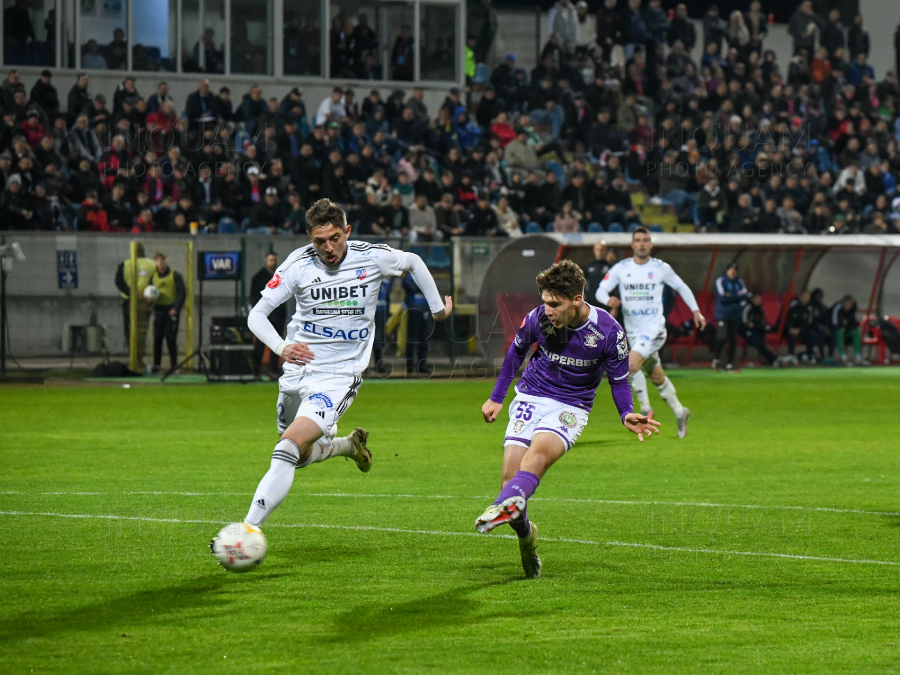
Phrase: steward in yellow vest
x=145 y=269
x=166 y=310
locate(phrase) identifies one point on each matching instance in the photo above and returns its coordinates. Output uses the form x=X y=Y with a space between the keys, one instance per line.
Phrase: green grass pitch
x=765 y=542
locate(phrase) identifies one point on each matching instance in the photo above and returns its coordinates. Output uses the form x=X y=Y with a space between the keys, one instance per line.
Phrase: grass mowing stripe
x=442 y=533
x=625 y=502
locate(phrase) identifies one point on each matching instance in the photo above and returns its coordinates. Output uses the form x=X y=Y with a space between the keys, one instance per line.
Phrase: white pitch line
x=624 y=502
x=367 y=528
x=825 y=509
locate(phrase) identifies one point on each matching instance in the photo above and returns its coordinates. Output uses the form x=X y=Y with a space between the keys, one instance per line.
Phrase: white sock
x=639 y=384
x=323 y=449
x=276 y=484
x=667 y=391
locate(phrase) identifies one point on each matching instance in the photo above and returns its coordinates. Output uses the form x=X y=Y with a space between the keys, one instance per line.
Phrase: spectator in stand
x=744 y=217
x=78 y=98
x=32 y=128
x=562 y=20
x=331 y=108
x=731 y=295
x=714 y=28
x=43 y=94
x=803 y=26
x=143 y=222
x=519 y=154
x=489 y=107
x=159 y=97
x=397 y=217
x=16 y=206
x=483 y=220
x=91 y=216
x=422 y=221
x=92 y=59
x=118 y=211
x=507 y=218
x=845 y=328
x=754 y=328
x=857 y=39
x=758 y=26
x=545 y=107
x=567 y=221
x=372 y=217
x=199 y=106
x=446 y=215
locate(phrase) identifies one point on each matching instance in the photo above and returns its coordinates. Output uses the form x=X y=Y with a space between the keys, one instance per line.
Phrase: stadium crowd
x=735 y=143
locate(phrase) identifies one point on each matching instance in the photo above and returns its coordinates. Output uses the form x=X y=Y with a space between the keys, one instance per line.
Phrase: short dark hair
x=563 y=279
x=325 y=212
x=640 y=229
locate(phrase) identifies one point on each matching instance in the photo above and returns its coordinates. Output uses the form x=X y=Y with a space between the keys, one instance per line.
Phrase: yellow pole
x=189 y=303
x=133 y=363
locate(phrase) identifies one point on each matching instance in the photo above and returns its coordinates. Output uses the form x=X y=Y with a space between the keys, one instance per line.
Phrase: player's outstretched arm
x=440 y=310
x=640 y=425
x=676 y=283
x=516 y=354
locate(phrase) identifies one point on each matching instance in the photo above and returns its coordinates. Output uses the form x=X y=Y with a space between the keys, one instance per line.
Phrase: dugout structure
x=777 y=266
x=181 y=259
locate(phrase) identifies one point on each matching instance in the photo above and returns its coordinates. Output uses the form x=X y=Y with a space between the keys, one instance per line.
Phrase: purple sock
x=523 y=484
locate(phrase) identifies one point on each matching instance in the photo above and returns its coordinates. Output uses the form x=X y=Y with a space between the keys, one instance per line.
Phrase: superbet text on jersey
x=335 y=306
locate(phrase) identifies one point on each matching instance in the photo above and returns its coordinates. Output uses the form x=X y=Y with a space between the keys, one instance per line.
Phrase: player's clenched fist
x=298 y=353
x=490 y=410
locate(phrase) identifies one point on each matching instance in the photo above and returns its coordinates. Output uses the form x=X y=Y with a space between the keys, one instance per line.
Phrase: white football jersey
x=335 y=312
x=641 y=290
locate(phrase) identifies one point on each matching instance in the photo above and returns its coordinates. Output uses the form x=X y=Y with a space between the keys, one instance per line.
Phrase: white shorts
x=648 y=347
x=530 y=415
x=321 y=397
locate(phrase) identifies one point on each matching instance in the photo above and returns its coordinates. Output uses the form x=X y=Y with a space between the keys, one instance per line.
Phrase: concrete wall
x=880 y=18
x=38 y=309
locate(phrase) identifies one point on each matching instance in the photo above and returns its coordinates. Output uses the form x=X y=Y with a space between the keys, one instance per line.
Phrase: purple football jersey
x=568 y=364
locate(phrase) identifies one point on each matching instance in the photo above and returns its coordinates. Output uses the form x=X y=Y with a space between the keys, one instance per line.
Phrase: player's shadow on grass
x=599 y=442
x=455 y=607
x=119 y=614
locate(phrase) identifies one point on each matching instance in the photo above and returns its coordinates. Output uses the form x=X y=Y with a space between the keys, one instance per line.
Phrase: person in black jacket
x=267 y=216
x=754 y=328
x=604 y=258
x=200 y=106
x=44 y=94
x=845 y=325
x=79 y=98
x=278 y=317
x=483 y=221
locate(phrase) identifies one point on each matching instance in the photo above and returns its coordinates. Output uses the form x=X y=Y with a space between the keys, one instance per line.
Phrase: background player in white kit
x=329 y=340
x=640 y=280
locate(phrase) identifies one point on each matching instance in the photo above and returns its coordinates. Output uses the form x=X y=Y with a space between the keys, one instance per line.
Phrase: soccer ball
x=239 y=547
x=151 y=293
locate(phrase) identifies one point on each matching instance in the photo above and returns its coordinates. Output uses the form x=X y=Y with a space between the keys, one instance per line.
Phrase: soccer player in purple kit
x=576 y=343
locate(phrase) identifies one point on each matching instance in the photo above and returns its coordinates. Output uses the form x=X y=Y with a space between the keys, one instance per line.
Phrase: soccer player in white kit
x=335 y=281
x=640 y=280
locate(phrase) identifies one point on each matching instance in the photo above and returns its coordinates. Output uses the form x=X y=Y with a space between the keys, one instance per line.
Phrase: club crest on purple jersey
x=590 y=340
